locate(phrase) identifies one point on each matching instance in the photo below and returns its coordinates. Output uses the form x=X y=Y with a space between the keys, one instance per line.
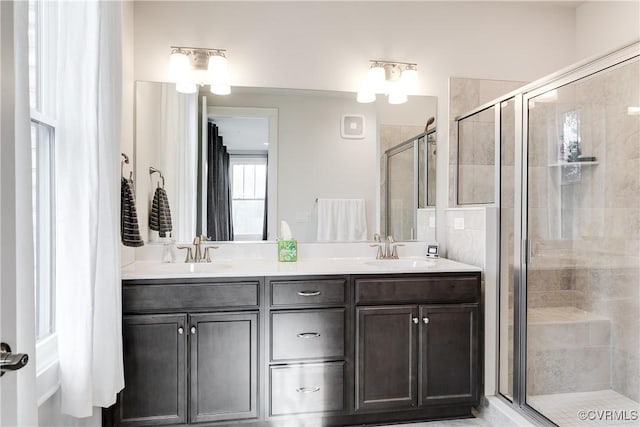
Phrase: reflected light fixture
x=190 y=67
x=395 y=79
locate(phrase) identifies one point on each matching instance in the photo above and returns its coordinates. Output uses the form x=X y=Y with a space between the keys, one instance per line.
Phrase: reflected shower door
x=401 y=200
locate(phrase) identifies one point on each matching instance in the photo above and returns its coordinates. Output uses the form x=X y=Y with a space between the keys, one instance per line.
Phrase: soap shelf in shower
x=563 y=164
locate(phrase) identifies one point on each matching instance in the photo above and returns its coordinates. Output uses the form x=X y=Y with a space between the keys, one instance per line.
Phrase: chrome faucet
x=196 y=253
x=387 y=249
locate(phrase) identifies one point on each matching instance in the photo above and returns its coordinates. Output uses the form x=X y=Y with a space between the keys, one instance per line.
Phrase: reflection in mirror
x=237 y=176
x=167 y=140
x=410 y=197
x=307 y=157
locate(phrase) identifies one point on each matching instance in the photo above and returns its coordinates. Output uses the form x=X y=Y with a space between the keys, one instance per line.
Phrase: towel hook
x=122 y=162
x=153 y=170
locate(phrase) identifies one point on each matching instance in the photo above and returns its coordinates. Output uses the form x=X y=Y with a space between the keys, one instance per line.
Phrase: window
x=41 y=92
x=248 y=192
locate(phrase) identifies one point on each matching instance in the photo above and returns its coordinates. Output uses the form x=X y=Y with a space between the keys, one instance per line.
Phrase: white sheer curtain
x=88 y=314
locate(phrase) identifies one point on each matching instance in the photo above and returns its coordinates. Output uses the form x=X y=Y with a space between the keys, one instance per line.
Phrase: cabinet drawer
x=307 y=334
x=431 y=289
x=308 y=292
x=153 y=297
x=307 y=388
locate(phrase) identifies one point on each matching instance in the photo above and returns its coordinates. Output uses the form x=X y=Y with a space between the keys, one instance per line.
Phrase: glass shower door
x=583 y=264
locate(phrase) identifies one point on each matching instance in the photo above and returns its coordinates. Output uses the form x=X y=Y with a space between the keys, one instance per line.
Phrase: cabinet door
x=386 y=357
x=224 y=366
x=154 y=370
x=449 y=354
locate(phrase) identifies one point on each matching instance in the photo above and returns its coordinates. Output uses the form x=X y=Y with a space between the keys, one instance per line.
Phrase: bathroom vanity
x=338 y=342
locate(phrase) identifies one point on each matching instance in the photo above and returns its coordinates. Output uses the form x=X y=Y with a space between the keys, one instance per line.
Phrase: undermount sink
x=411 y=264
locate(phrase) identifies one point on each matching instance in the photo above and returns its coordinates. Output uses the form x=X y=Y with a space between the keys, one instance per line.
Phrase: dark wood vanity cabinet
x=334 y=350
x=187 y=358
x=418 y=355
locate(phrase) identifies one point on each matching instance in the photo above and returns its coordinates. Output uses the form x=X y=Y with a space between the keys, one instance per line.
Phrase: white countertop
x=313 y=266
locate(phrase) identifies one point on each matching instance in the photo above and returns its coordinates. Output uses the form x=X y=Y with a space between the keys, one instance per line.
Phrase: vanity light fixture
x=395 y=79
x=190 y=67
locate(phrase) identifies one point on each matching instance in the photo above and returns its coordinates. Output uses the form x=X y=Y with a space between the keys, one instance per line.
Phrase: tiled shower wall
x=464 y=95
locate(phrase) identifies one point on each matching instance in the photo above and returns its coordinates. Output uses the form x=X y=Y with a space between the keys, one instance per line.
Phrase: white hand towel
x=342 y=220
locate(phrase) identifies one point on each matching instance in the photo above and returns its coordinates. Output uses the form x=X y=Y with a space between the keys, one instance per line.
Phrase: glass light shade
x=397 y=95
x=376 y=78
x=218 y=69
x=179 y=67
x=220 y=89
x=409 y=79
x=187 y=88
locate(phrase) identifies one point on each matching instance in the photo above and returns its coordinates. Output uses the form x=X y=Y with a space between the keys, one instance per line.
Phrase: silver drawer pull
x=309 y=293
x=308 y=335
x=308 y=389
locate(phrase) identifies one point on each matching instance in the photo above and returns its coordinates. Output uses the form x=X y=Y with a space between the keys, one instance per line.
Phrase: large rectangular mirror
x=285 y=149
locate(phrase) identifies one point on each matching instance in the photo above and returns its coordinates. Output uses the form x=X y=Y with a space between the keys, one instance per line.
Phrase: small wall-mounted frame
x=352 y=126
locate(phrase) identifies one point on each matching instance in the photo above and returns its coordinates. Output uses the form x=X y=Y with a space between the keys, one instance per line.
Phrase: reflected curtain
x=219 y=215
x=178 y=153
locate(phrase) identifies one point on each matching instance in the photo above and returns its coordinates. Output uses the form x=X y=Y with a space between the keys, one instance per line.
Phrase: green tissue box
x=287 y=250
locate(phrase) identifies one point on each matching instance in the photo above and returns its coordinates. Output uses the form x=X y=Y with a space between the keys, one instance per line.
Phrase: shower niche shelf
x=564 y=164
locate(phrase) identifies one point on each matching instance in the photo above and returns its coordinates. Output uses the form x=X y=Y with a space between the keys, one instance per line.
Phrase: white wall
x=602 y=26
x=327 y=45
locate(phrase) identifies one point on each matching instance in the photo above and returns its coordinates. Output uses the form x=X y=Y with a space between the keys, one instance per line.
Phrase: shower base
x=566 y=409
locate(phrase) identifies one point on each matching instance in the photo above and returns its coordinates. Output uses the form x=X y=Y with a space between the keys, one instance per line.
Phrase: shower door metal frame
x=522 y=96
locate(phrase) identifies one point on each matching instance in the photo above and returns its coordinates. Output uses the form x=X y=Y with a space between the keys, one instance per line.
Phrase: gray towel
x=160 y=218
x=129 y=229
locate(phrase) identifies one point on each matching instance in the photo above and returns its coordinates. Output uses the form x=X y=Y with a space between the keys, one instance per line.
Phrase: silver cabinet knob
x=193 y=330
x=415 y=320
x=425 y=320
x=180 y=330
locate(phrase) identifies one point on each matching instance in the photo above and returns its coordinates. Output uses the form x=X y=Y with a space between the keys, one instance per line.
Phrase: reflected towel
x=160 y=218
x=342 y=219
x=129 y=228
